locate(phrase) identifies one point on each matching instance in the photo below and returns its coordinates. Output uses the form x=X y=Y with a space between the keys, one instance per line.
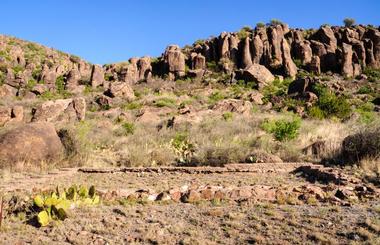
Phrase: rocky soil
x=328 y=207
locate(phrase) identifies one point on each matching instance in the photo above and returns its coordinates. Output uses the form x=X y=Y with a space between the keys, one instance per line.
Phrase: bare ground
x=240 y=221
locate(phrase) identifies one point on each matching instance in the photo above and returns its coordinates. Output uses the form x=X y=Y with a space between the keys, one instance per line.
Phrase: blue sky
x=115 y=30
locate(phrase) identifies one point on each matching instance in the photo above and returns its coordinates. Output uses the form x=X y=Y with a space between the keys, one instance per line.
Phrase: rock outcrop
x=174 y=61
x=30 y=143
x=60 y=110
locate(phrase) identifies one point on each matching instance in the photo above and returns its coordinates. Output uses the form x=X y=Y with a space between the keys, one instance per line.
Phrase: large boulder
x=30 y=143
x=257 y=73
x=60 y=110
x=120 y=90
x=175 y=61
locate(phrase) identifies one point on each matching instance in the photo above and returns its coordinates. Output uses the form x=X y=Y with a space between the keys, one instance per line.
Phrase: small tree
x=348 y=22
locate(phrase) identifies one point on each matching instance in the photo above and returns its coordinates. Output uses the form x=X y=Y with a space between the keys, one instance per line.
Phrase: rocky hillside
x=330 y=73
x=283 y=51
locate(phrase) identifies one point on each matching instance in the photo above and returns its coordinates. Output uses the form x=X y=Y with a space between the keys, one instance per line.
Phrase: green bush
x=372 y=74
x=316 y=112
x=216 y=96
x=365 y=90
x=276 y=88
x=31 y=83
x=260 y=25
x=329 y=104
x=60 y=84
x=275 y=22
x=366 y=112
x=282 y=129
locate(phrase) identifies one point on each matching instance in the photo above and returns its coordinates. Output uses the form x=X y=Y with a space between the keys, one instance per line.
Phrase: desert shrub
x=364 y=144
x=276 y=88
x=365 y=90
x=17 y=69
x=366 y=112
x=60 y=84
x=244 y=32
x=36 y=74
x=282 y=129
x=228 y=116
x=275 y=22
x=216 y=96
x=129 y=128
x=330 y=105
x=348 y=22
x=182 y=147
x=164 y=102
x=31 y=83
x=132 y=106
x=316 y=112
x=372 y=74
x=2 y=78
x=260 y=25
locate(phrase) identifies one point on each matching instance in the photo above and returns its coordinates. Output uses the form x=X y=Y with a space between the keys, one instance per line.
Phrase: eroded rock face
x=347 y=67
x=34 y=142
x=290 y=69
x=97 y=76
x=60 y=110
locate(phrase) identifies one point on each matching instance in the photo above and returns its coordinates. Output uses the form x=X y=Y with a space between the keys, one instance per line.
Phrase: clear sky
x=115 y=30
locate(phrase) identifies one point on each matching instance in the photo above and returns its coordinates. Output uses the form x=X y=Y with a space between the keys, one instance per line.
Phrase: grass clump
x=366 y=112
x=216 y=96
x=164 y=102
x=129 y=128
x=283 y=130
x=372 y=74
